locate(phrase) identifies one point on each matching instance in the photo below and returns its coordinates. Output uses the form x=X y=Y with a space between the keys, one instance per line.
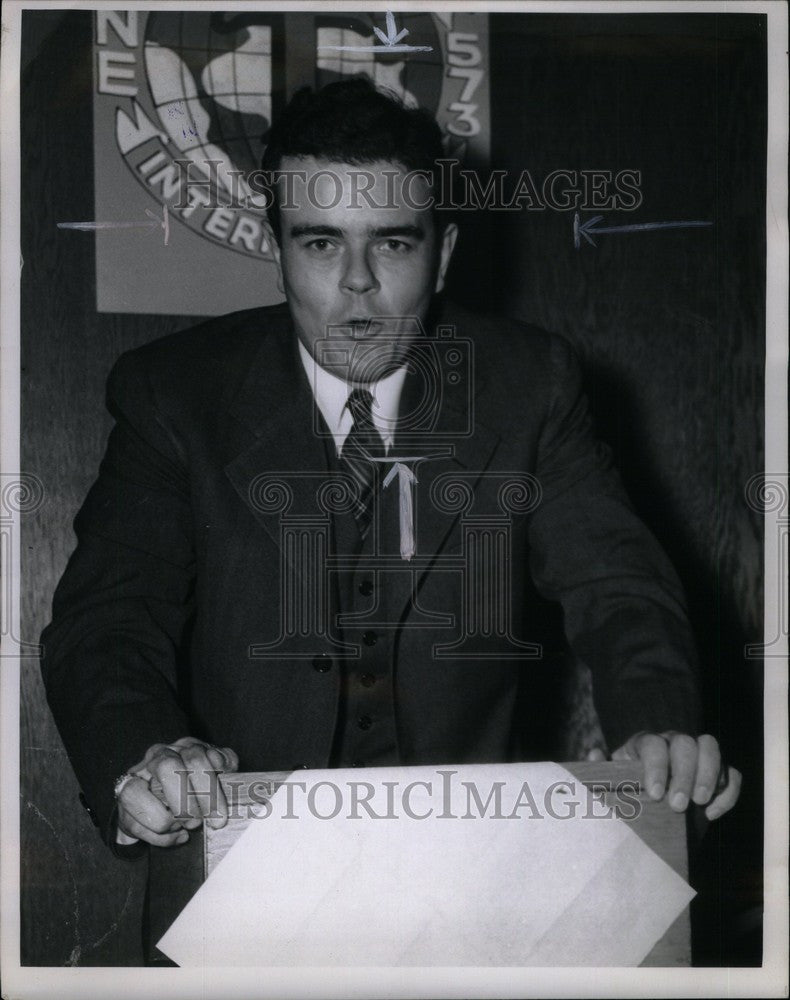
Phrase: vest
x=366 y=730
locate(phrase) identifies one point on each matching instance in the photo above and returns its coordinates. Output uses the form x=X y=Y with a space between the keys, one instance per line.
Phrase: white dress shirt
x=331 y=395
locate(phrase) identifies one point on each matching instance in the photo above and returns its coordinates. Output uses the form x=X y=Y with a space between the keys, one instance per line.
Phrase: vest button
x=366 y=588
x=367 y=680
x=322 y=663
x=364 y=722
x=370 y=638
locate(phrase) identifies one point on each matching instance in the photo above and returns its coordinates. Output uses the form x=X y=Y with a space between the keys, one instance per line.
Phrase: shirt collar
x=331 y=395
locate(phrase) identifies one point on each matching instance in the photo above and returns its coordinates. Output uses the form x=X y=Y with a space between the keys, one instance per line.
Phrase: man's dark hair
x=350 y=122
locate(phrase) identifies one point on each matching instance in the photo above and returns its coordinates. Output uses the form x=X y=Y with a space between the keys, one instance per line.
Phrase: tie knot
x=360 y=403
x=363 y=438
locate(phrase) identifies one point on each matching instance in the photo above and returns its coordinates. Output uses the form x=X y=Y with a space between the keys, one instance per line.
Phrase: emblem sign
x=182 y=103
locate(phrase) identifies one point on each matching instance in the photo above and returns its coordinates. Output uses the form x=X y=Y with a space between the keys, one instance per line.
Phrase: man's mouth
x=362 y=326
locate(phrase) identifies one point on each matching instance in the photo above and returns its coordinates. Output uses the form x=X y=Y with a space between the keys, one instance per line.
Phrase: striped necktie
x=362 y=444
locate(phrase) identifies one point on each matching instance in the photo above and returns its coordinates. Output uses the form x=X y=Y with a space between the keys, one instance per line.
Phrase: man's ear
x=275 y=248
x=449 y=236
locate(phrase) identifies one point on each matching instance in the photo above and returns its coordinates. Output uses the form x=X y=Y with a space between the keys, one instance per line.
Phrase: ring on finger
x=123 y=781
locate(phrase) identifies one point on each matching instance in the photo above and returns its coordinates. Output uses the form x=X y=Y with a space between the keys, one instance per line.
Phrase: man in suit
x=259 y=580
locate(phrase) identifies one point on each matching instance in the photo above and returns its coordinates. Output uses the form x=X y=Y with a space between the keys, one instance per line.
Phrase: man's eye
x=396 y=246
x=320 y=245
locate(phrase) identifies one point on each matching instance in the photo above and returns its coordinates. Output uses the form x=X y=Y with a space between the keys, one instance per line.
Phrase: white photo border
x=772 y=978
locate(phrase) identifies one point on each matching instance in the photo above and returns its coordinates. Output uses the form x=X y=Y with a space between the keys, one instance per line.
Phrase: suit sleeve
x=623 y=604
x=122 y=608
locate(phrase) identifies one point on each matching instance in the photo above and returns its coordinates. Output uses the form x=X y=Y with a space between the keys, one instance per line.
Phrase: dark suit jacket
x=177 y=571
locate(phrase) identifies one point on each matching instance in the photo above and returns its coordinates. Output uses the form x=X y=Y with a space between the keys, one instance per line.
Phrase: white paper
x=513 y=886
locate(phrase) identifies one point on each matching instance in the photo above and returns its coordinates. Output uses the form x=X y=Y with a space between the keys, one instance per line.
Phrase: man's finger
x=207 y=793
x=683 y=754
x=723 y=802
x=129 y=825
x=137 y=802
x=708 y=765
x=223 y=758
x=164 y=764
x=627 y=751
x=154 y=753
x=170 y=781
x=171 y=770
x=654 y=754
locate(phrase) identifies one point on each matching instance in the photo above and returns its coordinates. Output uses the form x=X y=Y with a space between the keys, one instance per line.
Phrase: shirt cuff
x=132 y=849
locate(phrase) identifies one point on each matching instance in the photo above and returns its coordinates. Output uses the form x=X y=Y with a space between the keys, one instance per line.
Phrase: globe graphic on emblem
x=216 y=80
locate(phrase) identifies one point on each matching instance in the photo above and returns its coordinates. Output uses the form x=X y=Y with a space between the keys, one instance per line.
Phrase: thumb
x=596 y=754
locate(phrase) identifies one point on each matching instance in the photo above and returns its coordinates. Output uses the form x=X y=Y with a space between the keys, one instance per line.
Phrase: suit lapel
x=278 y=474
x=450 y=450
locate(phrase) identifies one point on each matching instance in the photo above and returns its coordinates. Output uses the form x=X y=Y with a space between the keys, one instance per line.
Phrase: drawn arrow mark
x=389 y=41
x=406 y=479
x=589 y=228
x=157 y=223
x=393 y=36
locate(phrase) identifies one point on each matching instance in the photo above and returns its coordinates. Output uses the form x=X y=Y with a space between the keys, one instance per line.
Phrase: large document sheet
x=484 y=865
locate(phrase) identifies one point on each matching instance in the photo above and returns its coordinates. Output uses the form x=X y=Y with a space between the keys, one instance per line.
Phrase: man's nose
x=358 y=276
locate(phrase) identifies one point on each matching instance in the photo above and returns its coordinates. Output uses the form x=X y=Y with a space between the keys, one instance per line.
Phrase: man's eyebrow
x=379 y=233
x=383 y=232
x=297 y=231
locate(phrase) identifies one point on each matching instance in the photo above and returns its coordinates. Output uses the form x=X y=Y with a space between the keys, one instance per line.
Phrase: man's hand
x=691 y=766
x=172 y=790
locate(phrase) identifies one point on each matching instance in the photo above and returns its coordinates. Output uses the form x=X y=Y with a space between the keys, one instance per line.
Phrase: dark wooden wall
x=669 y=326
x=81 y=906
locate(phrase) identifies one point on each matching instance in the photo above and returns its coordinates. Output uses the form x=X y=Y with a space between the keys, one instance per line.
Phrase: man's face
x=371 y=254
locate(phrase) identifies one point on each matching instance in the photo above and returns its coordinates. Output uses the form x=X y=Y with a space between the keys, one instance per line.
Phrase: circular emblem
x=210 y=85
